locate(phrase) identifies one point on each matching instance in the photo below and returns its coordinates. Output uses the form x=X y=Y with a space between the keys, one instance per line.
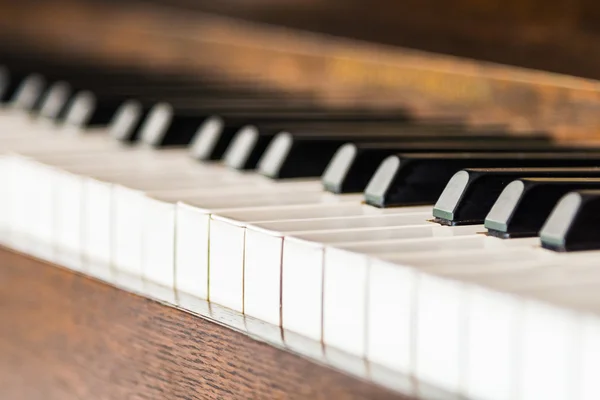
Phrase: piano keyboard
x=463 y=257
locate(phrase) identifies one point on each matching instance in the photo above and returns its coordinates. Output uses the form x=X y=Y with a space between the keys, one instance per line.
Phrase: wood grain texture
x=335 y=72
x=64 y=336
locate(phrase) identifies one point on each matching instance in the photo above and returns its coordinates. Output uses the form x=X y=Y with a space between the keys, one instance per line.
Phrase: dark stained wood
x=64 y=336
x=336 y=72
x=558 y=35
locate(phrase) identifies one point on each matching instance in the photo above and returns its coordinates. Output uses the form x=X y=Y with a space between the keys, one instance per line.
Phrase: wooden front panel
x=64 y=336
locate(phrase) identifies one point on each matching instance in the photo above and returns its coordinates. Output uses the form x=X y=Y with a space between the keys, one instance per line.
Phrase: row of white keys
x=34 y=195
x=309 y=286
x=330 y=324
x=159 y=213
x=473 y=361
x=193 y=222
x=263 y=251
x=100 y=195
x=549 y=315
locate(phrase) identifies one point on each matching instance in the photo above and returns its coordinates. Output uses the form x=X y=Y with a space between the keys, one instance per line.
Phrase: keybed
x=362 y=262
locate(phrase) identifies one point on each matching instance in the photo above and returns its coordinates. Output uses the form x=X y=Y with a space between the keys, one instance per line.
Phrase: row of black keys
x=393 y=160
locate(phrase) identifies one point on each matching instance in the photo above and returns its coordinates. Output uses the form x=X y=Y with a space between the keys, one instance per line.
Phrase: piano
x=302 y=200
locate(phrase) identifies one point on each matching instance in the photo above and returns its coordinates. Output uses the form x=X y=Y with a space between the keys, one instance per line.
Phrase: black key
x=78 y=110
x=257 y=130
x=355 y=163
x=128 y=120
x=251 y=142
x=471 y=193
x=104 y=112
x=27 y=92
x=9 y=85
x=166 y=127
x=407 y=179
x=525 y=204
x=54 y=100
x=574 y=224
x=246 y=148
x=210 y=133
x=307 y=154
x=4 y=81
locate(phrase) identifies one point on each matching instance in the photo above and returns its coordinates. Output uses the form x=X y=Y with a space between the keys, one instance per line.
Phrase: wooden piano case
x=65 y=336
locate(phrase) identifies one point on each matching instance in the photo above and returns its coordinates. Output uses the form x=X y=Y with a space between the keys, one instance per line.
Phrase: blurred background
x=559 y=35
x=375 y=52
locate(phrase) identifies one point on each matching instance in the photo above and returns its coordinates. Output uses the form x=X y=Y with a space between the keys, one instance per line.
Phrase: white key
x=5 y=166
x=191 y=252
x=158 y=214
x=158 y=242
x=226 y=255
x=96 y=222
x=302 y=276
x=390 y=293
x=589 y=388
x=192 y=235
x=263 y=252
x=127 y=229
x=448 y=305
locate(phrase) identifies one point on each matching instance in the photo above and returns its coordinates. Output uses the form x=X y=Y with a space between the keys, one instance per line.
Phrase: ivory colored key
x=344 y=284
x=540 y=339
x=427 y=306
x=525 y=204
x=226 y=265
x=263 y=253
x=471 y=193
x=302 y=269
x=158 y=220
x=441 y=303
x=387 y=338
x=126 y=204
x=193 y=228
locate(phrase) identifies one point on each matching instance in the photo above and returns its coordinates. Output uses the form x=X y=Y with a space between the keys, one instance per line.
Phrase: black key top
x=4 y=81
x=525 y=204
x=11 y=82
x=251 y=142
x=165 y=126
x=574 y=224
x=289 y=156
x=298 y=154
x=246 y=148
x=104 y=112
x=54 y=100
x=78 y=111
x=211 y=135
x=407 y=179
x=471 y=193
x=257 y=131
x=355 y=163
x=128 y=120
x=27 y=92
x=88 y=110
